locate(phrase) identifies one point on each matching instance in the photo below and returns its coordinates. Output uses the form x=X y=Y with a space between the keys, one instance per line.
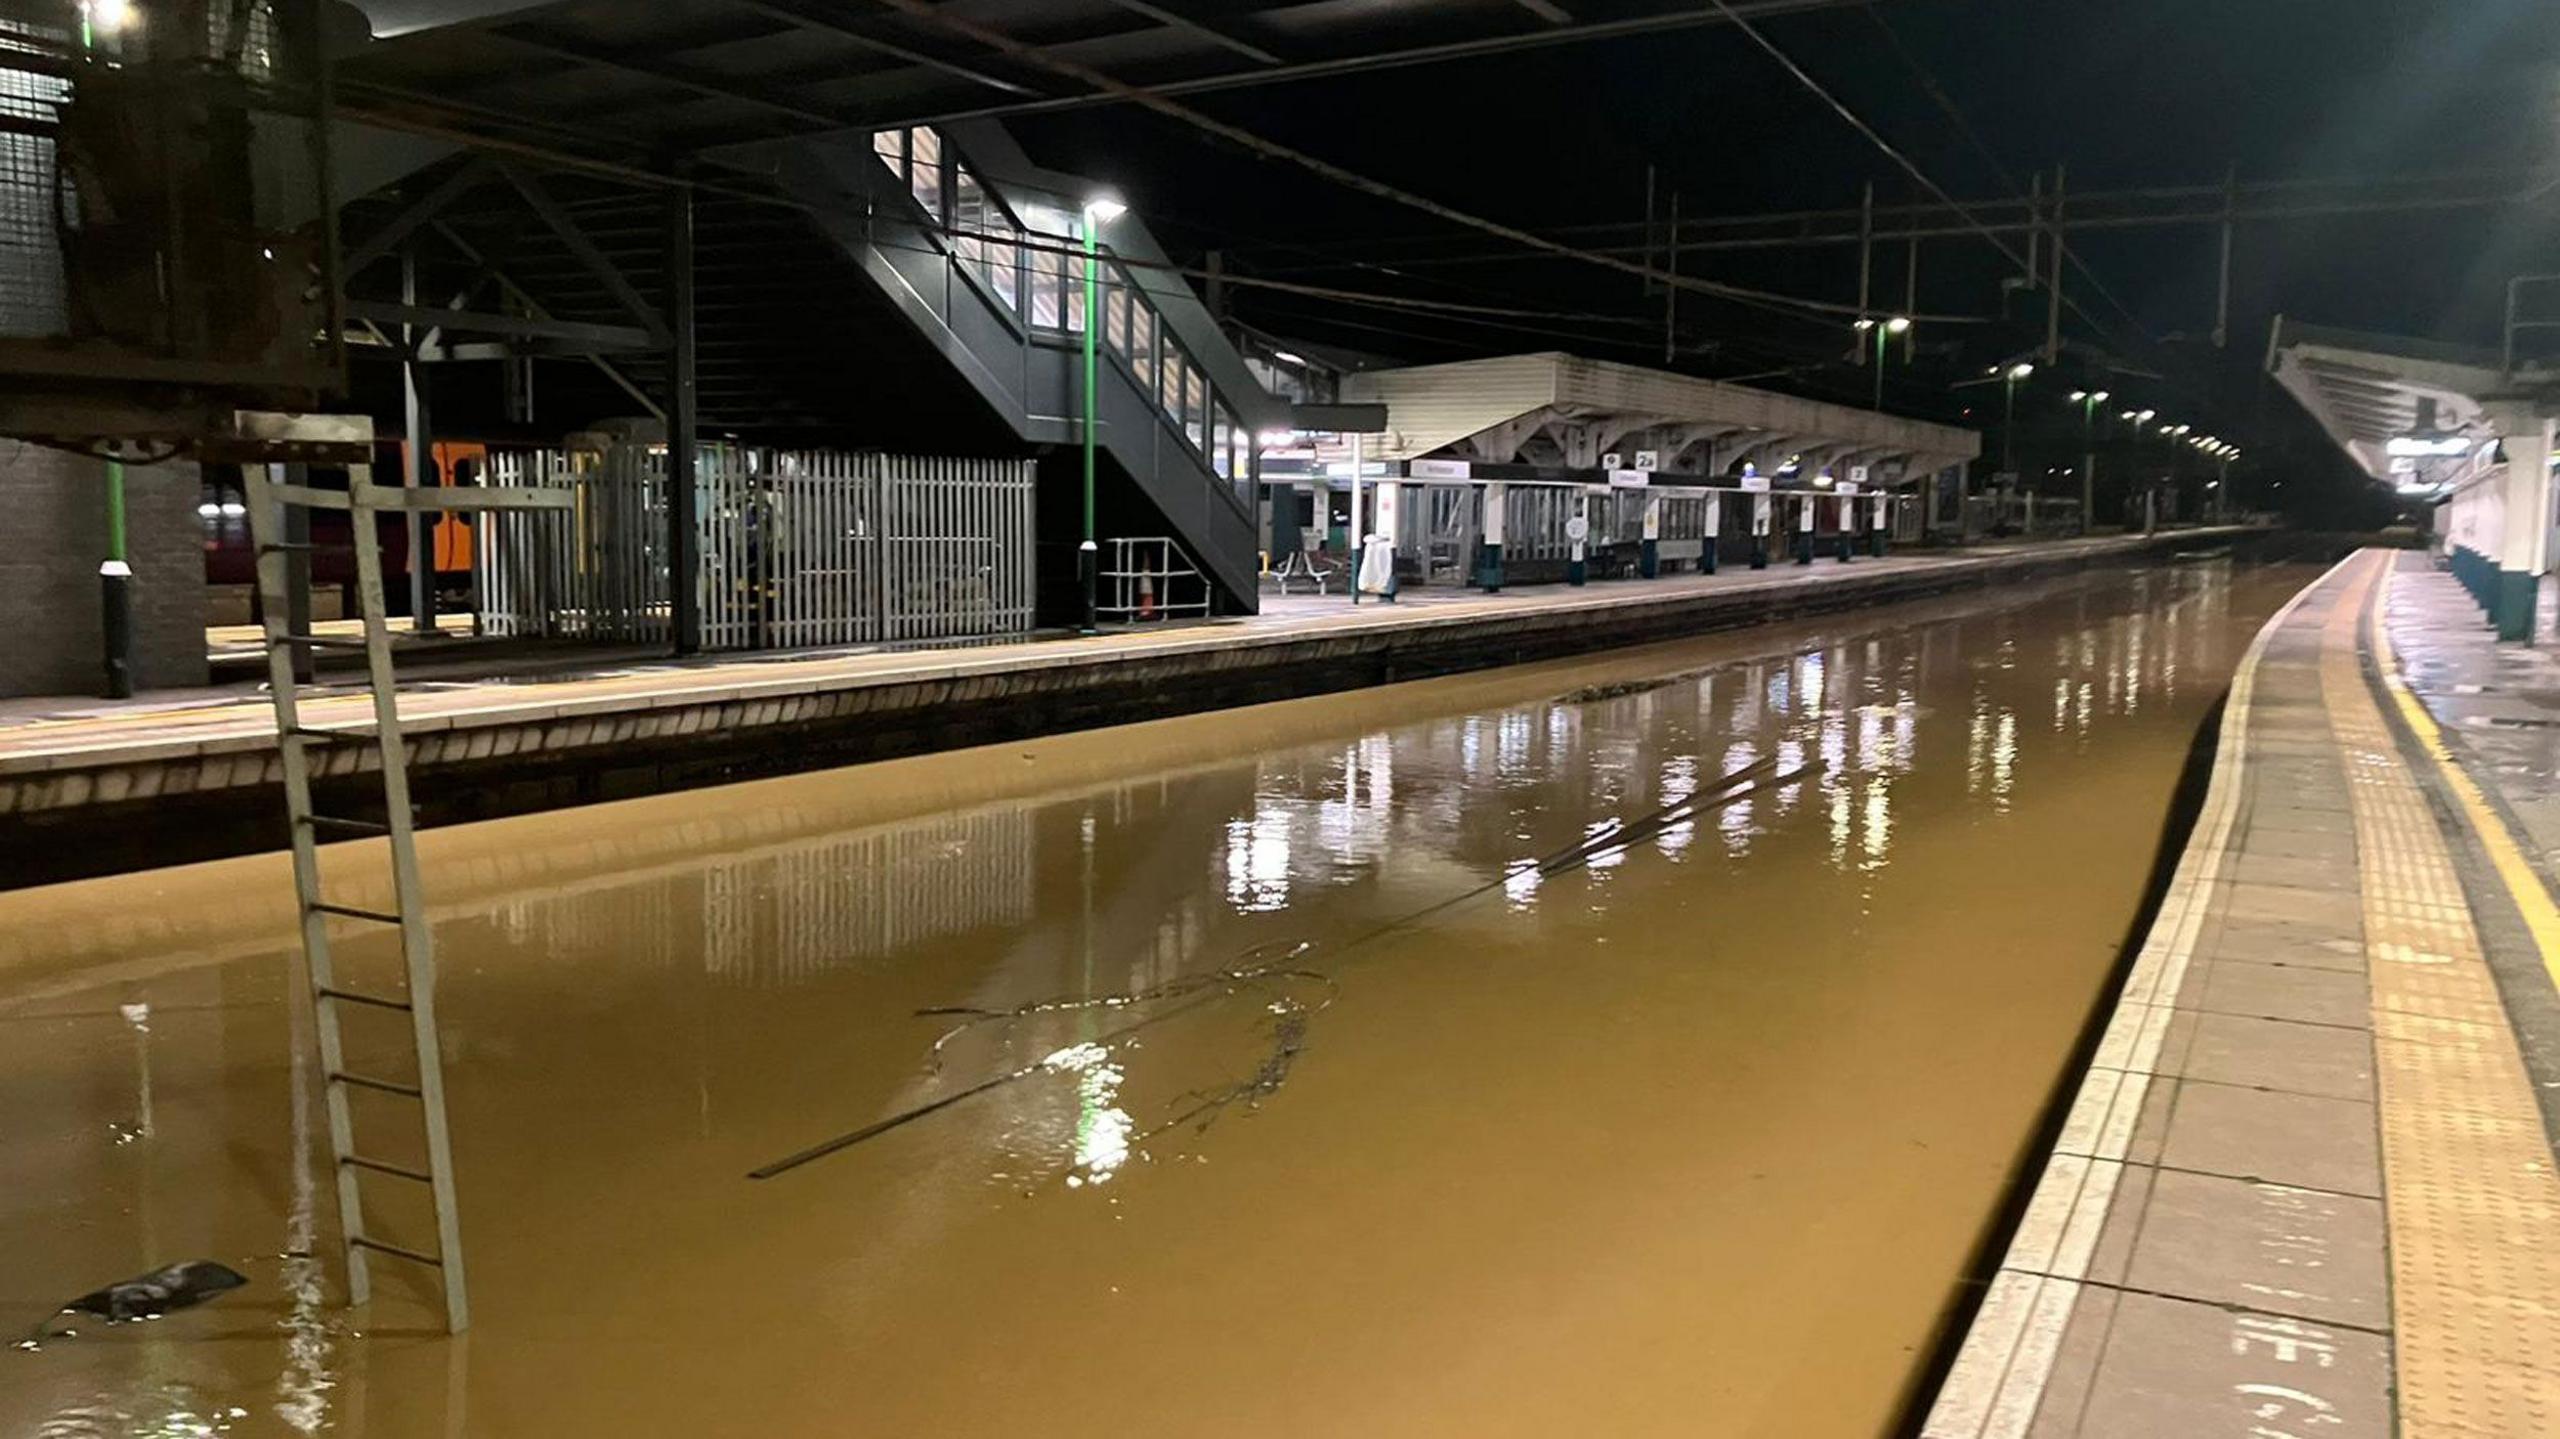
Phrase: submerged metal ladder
x=278 y=575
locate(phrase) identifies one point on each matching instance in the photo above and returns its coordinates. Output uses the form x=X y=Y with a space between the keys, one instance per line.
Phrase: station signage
x=1630 y=479
x=1850 y=487
x=1857 y=478
x=1648 y=459
x=1755 y=482
x=1439 y=470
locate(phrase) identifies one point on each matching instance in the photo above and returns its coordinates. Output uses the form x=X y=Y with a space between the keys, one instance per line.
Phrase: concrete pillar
x=1577 y=531
x=1707 y=543
x=2524 y=541
x=1497 y=499
x=1804 y=529
x=1760 y=507
x=1650 y=562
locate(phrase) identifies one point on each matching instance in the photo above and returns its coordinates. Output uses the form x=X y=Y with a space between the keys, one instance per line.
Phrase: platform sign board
x=1630 y=479
x=1850 y=487
x=1756 y=484
x=1857 y=477
x=1439 y=470
x=1648 y=459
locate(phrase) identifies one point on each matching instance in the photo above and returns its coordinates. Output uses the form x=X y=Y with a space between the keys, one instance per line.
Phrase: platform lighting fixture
x=107 y=17
x=1275 y=439
x=2089 y=401
x=2009 y=420
x=2182 y=429
x=1099 y=211
x=2424 y=446
x=1288 y=357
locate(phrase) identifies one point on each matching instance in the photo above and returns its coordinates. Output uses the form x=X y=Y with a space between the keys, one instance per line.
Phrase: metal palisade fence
x=798 y=548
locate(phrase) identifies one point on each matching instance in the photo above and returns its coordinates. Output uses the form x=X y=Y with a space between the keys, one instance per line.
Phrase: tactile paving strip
x=2472 y=1202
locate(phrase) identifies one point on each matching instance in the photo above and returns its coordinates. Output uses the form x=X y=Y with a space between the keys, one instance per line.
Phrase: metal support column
x=2053 y=296
x=684 y=537
x=1866 y=261
x=421 y=463
x=115 y=583
x=2222 y=299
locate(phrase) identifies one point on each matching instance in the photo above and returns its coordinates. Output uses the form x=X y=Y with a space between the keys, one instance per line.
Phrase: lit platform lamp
x=1099 y=211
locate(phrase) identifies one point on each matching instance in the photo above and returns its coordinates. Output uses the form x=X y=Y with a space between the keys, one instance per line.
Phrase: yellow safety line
x=2471 y=1203
x=2524 y=886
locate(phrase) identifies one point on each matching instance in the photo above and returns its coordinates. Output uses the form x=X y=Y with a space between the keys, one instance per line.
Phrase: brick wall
x=53 y=534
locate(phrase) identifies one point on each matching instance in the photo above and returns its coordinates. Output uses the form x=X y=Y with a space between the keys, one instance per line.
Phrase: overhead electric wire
x=1033 y=243
x=1946 y=104
x=936 y=15
x=1858 y=124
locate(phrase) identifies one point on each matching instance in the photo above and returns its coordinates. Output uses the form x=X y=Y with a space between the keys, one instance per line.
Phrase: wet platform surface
x=2307 y=1187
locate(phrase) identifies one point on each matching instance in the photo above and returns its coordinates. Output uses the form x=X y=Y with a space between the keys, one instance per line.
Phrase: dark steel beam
x=1210 y=33
x=1432 y=54
x=798 y=17
x=419 y=211
x=598 y=264
x=601 y=337
x=672 y=75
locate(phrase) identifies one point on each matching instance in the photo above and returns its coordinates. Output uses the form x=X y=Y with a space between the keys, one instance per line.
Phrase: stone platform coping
x=2304 y=1187
x=146 y=731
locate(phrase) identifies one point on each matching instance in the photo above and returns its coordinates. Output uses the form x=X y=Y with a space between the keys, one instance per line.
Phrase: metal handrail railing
x=2517 y=322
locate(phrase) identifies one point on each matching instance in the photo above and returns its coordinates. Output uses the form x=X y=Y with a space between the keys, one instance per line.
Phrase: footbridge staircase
x=979 y=253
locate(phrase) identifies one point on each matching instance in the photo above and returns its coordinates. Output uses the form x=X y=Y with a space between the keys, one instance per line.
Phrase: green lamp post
x=1098 y=212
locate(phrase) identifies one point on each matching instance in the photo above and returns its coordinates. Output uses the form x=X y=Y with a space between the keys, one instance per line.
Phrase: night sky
x=2126 y=95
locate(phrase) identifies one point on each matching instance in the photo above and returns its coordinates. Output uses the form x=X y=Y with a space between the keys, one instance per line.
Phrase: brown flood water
x=1697 y=1139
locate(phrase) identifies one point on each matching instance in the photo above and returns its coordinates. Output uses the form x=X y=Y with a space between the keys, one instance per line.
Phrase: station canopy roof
x=636 y=84
x=1565 y=410
x=2369 y=391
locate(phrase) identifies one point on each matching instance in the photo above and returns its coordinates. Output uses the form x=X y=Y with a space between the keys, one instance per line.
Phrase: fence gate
x=596 y=571
x=798 y=548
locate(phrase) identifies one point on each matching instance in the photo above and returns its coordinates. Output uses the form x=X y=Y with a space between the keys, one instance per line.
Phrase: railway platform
x=203 y=766
x=2305 y=1186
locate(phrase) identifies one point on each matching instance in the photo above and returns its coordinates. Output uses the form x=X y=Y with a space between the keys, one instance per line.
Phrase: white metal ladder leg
x=295 y=743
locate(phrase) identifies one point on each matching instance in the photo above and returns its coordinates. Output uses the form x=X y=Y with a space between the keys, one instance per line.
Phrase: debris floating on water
x=179 y=1286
